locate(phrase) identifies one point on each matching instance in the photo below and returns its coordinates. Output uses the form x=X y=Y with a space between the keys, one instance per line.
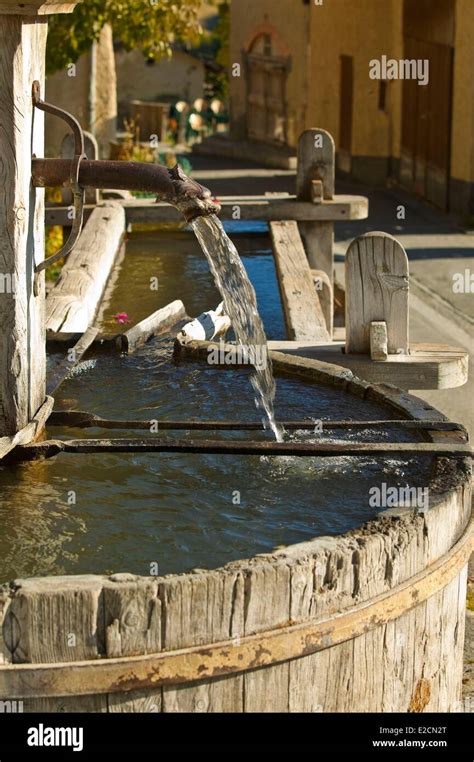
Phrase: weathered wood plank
x=30 y=432
x=72 y=304
x=22 y=349
x=53 y=619
x=324 y=291
x=376 y=290
x=74 y=356
x=133 y=625
x=157 y=323
x=269 y=208
x=426 y=367
x=202 y=608
x=303 y=312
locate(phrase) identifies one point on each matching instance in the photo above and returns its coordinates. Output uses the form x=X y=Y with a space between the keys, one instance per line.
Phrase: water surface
x=106 y=513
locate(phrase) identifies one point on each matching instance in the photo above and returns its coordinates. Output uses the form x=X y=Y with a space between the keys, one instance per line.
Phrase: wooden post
x=316 y=161
x=23 y=30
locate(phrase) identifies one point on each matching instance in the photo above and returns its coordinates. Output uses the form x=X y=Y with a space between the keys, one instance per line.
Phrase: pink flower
x=121 y=317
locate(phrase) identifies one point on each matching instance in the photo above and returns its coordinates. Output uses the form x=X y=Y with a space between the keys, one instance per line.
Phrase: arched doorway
x=427 y=110
x=266 y=75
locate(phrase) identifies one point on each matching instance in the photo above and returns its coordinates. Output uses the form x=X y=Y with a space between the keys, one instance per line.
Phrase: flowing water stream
x=240 y=304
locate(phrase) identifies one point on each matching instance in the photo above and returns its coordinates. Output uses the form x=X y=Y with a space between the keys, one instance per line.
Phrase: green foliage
x=221 y=42
x=150 y=25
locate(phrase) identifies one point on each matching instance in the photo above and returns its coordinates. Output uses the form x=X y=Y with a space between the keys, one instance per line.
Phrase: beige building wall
x=364 y=31
x=288 y=23
x=181 y=76
x=462 y=143
x=95 y=106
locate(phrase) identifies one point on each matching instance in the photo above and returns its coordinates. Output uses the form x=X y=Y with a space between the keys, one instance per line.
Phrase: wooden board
x=74 y=356
x=324 y=291
x=303 y=312
x=376 y=290
x=155 y=324
x=22 y=345
x=276 y=207
x=428 y=366
x=30 y=432
x=73 y=302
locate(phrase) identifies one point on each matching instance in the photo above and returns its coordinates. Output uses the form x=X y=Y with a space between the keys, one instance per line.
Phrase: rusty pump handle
x=72 y=179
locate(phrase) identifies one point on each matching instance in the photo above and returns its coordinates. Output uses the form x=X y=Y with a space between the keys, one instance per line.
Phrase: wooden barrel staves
x=370 y=621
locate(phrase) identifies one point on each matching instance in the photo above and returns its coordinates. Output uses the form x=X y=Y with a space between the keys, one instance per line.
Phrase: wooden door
x=266 y=75
x=426 y=123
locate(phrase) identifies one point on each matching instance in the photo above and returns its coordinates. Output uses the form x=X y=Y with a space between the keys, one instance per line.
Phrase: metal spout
x=172 y=186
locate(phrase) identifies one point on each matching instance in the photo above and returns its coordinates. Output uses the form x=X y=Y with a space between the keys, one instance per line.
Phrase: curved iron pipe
x=172 y=185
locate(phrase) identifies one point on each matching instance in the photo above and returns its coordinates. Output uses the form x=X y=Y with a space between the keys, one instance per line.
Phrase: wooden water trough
x=369 y=621
x=372 y=620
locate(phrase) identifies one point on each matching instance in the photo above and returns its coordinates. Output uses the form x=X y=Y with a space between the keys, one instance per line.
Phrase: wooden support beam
x=267 y=208
x=157 y=323
x=50 y=448
x=376 y=290
x=316 y=161
x=73 y=302
x=303 y=312
x=74 y=356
